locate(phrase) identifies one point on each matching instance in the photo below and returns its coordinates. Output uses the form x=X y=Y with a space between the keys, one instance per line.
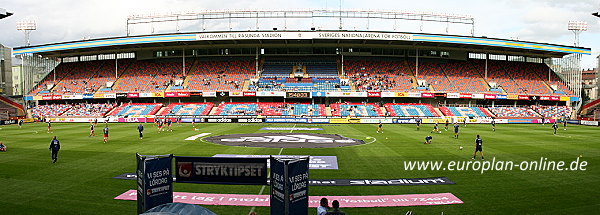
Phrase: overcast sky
x=530 y=20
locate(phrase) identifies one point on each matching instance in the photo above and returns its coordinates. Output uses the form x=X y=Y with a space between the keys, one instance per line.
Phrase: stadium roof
x=4 y=13
x=302 y=38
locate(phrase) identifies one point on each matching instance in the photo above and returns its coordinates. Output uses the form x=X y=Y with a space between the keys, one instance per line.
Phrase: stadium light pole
x=26 y=27
x=577 y=27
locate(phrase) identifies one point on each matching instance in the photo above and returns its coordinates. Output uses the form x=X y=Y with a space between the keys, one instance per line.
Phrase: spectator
x=336 y=209
x=2 y=147
x=323 y=207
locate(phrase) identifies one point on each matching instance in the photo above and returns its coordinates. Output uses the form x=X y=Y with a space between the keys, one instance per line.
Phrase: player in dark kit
x=565 y=123
x=478 y=147
x=92 y=130
x=20 y=123
x=418 y=124
x=554 y=126
x=493 y=124
x=140 y=129
x=428 y=139
x=169 y=122
x=49 y=126
x=435 y=129
x=456 y=126
x=54 y=147
x=160 y=125
x=446 y=125
x=105 y=131
x=380 y=128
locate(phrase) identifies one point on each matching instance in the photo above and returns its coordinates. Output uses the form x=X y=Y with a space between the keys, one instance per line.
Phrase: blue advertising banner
x=88 y=96
x=221 y=170
x=155 y=181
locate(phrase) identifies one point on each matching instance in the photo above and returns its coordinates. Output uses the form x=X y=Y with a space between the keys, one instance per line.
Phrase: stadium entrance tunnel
x=285 y=140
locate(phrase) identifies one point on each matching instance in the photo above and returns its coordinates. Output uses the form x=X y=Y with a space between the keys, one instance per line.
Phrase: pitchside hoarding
x=155 y=182
x=219 y=170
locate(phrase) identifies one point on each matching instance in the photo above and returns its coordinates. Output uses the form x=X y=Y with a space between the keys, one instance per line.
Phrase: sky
x=530 y=20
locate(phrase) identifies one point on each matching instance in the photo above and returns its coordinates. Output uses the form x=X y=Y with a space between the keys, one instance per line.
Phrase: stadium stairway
x=214 y=110
x=589 y=106
x=16 y=108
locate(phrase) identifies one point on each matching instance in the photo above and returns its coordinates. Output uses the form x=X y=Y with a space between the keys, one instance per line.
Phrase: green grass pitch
x=81 y=181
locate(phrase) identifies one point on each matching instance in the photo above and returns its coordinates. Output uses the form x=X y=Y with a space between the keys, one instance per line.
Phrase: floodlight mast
x=27 y=27
x=577 y=27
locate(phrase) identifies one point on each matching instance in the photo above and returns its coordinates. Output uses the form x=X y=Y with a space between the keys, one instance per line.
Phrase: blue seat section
x=302 y=109
x=136 y=110
x=467 y=111
x=197 y=109
x=361 y=112
x=239 y=109
x=412 y=110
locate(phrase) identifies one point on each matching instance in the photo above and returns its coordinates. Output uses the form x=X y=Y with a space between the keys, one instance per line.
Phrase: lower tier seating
x=411 y=110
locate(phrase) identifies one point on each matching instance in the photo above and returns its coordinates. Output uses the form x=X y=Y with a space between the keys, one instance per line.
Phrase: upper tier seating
x=513 y=112
x=128 y=109
x=465 y=111
x=410 y=110
x=553 y=111
x=226 y=75
x=83 y=109
x=148 y=76
x=464 y=78
x=379 y=75
x=355 y=109
x=49 y=110
x=187 y=109
x=322 y=70
x=432 y=73
x=270 y=109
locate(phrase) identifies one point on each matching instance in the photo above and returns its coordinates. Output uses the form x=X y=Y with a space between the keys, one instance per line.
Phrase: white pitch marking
x=197 y=136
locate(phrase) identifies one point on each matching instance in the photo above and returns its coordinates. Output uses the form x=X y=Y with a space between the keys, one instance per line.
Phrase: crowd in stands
x=379 y=75
x=227 y=75
x=513 y=112
x=465 y=111
x=84 y=109
x=49 y=110
x=270 y=109
x=410 y=110
x=355 y=109
x=128 y=109
x=343 y=109
x=553 y=111
x=187 y=109
x=149 y=76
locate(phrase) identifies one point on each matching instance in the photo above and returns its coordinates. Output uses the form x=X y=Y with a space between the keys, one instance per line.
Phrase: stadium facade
x=330 y=72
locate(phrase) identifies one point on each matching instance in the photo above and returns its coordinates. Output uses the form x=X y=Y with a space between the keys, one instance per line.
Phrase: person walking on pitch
x=54 y=147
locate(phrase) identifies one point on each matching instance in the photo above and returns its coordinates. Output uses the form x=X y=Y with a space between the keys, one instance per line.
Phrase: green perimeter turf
x=81 y=181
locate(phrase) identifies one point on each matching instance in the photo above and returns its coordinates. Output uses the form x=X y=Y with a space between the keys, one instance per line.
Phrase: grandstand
x=301 y=74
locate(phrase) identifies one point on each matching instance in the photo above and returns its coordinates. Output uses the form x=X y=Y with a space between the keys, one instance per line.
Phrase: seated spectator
x=335 y=210
x=2 y=147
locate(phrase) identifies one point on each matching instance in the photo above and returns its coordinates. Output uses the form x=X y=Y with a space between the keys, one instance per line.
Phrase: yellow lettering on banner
x=99 y=95
x=401 y=94
x=564 y=98
x=158 y=94
x=338 y=120
x=513 y=97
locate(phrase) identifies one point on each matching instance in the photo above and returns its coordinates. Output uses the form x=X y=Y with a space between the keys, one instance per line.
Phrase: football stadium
x=271 y=121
